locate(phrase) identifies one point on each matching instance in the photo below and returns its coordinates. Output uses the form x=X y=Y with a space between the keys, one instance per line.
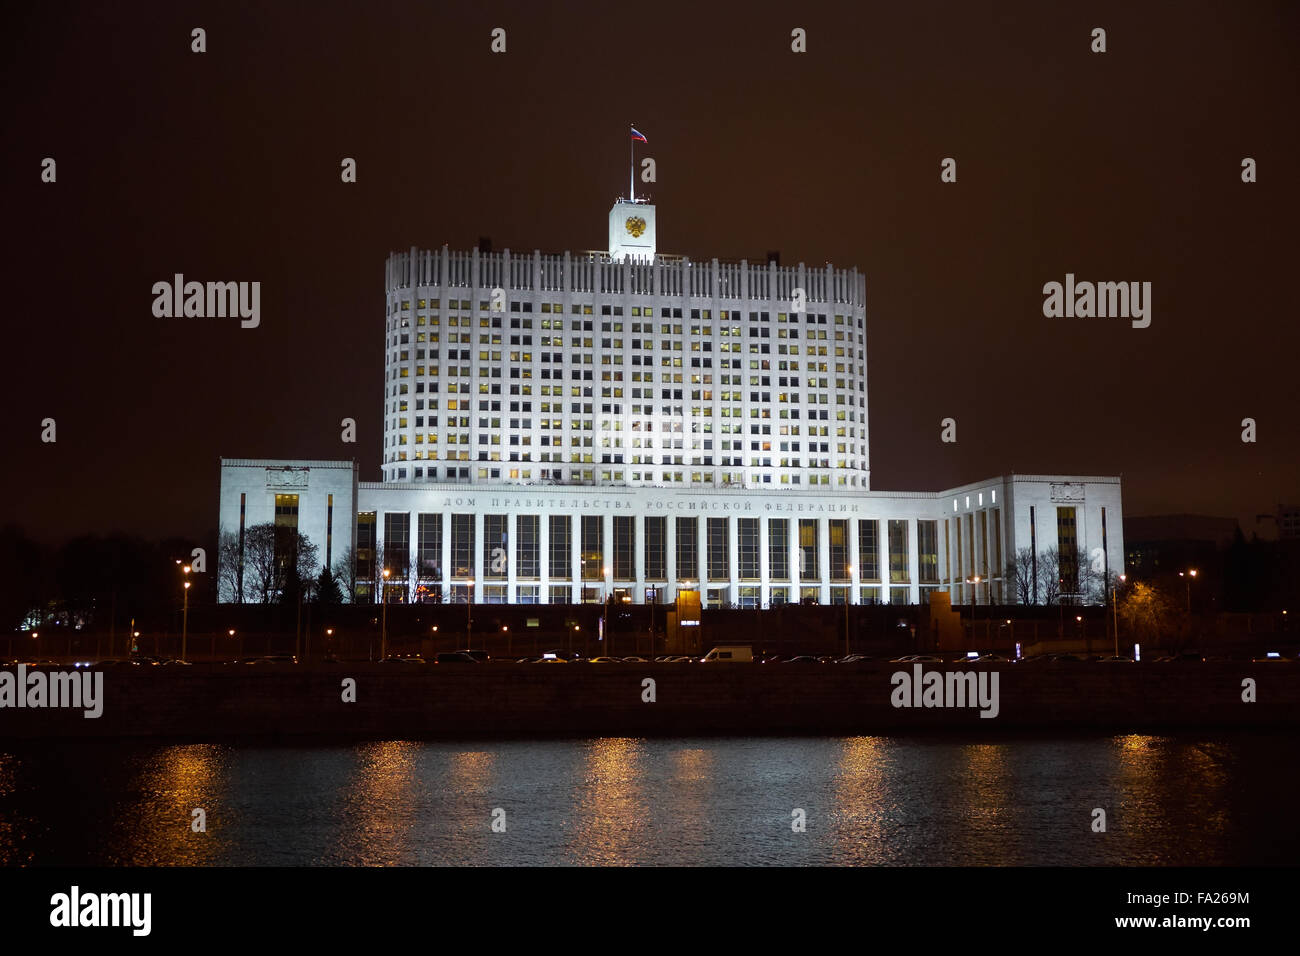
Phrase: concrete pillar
x=733 y=559
x=446 y=557
x=824 y=559
x=638 y=558
x=476 y=557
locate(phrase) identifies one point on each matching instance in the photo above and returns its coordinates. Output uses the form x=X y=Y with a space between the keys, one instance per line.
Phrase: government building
x=567 y=428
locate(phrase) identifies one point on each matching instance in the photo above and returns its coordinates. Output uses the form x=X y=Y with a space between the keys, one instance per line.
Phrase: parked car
x=802 y=659
x=403 y=659
x=635 y=660
x=482 y=657
x=454 y=657
x=603 y=660
x=730 y=653
x=992 y=659
x=1121 y=659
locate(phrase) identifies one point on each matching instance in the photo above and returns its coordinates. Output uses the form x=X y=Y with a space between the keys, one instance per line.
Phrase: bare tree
x=269 y=551
x=230 y=569
x=1049 y=576
x=345 y=573
x=1020 y=575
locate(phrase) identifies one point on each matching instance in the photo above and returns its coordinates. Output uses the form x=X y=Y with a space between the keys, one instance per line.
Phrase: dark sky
x=225 y=166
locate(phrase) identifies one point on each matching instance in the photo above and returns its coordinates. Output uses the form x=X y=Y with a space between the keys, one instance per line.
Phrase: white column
x=476 y=559
x=733 y=558
x=544 y=558
x=670 y=556
x=512 y=553
x=913 y=562
x=824 y=559
x=446 y=557
x=575 y=557
x=638 y=557
x=764 y=572
x=796 y=564
x=855 y=560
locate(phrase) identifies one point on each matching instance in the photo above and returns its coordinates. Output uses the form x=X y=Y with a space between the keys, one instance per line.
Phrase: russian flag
x=637 y=136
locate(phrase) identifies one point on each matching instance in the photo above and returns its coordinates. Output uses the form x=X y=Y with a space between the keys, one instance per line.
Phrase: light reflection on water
x=616 y=801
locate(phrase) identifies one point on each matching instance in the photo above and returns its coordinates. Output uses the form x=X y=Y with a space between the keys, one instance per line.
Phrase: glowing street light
x=185 y=614
x=1191 y=573
x=848 y=596
x=383 y=629
x=469 y=613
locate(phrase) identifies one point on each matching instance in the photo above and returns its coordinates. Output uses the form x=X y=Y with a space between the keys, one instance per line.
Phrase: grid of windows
x=428 y=554
x=624 y=547
x=462 y=545
x=496 y=548
x=397 y=544
x=898 y=556
x=778 y=549
x=747 y=550
x=526 y=535
x=688 y=564
x=718 y=545
x=656 y=549
x=808 y=549
x=927 y=545
x=838 y=535
x=456 y=372
x=559 y=566
x=868 y=549
x=593 y=548
x=1067 y=546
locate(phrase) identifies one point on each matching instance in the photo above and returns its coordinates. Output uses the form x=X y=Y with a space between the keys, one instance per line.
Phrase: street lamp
x=604 y=608
x=974 y=603
x=1114 y=607
x=469 y=613
x=848 y=593
x=185 y=614
x=505 y=629
x=1191 y=573
x=383 y=629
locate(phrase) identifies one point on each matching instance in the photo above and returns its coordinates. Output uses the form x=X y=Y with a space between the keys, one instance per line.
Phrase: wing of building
x=559 y=428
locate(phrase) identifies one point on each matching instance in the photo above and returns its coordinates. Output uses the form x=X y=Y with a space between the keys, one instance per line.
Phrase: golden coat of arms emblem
x=635 y=225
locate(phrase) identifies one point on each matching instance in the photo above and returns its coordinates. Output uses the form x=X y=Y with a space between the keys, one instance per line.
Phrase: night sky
x=224 y=166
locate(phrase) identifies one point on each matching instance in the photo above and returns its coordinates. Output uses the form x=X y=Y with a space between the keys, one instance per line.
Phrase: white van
x=742 y=653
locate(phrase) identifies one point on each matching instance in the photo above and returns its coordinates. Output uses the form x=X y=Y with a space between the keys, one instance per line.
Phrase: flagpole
x=631 y=166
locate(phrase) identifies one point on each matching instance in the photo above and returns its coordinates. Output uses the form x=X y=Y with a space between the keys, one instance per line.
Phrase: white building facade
x=560 y=428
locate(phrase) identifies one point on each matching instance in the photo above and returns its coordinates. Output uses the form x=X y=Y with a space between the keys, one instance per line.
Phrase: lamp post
x=848 y=593
x=383 y=628
x=469 y=614
x=185 y=614
x=505 y=629
x=1114 y=607
x=604 y=610
x=974 y=604
x=1188 y=575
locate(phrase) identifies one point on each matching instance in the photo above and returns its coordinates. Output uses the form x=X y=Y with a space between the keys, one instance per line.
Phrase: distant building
x=1288 y=522
x=1166 y=544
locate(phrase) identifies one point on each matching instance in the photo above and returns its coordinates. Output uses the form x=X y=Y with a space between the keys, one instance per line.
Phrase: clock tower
x=632 y=230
